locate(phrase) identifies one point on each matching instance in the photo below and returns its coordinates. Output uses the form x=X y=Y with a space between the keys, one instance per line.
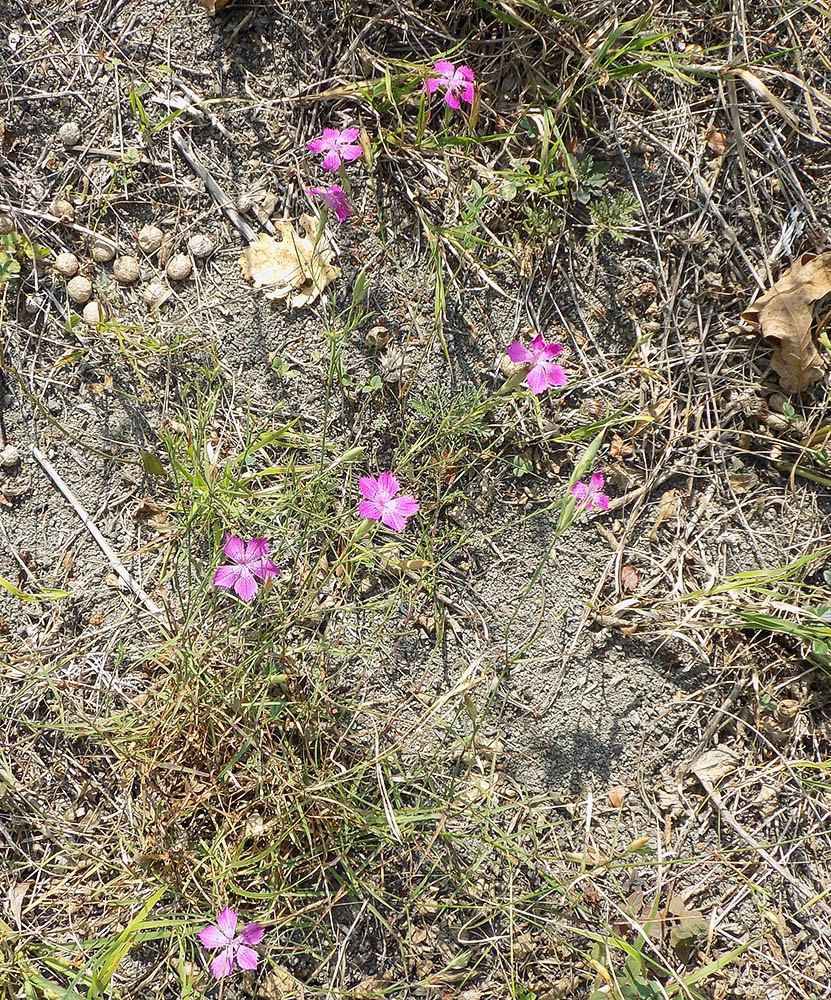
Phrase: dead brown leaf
x=785 y=315
x=212 y=6
x=716 y=141
x=150 y=514
x=629 y=578
x=713 y=765
x=296 y=268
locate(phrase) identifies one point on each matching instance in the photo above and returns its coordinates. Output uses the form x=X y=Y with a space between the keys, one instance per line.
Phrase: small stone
x=102 y=253
x=70 y=134
x=150 y=238
x=178 y=267
x=126 y=270
x=93 y=314
x=6 y=224
x=155 y=294
x=79 y=289
x=200 y=246
x=245 y=203
x=34 y=304
x=62 y=210
x=66 y=264
x=9 y=456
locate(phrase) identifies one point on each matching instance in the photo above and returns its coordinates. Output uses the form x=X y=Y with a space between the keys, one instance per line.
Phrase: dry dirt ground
x=489 y=757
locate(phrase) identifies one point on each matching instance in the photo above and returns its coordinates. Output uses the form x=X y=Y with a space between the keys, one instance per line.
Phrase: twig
x=103 y=544
x=213 y=189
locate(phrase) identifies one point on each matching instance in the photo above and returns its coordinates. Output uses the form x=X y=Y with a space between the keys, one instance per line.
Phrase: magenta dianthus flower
x=591 y=497
x=234 y=946
x=456 y=83
x=336 y=145
x=335 y=197
x=248 y=563
x=382 y=504
x=544 y=372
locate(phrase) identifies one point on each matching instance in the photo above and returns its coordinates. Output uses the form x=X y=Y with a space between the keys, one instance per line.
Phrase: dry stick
x=213 y=189
x=104 y=545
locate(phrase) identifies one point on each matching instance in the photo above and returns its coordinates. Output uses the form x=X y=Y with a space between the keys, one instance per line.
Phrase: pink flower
x=221 y=935
x=337 y=146
x=383 y=505
x=543 y=372
x=335 y=197
x=456 y=82
x=591 y=496
x=248 y=562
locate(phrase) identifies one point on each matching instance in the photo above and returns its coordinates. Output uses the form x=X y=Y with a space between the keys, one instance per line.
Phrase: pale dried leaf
x=629 y=578
x=17 y=893
x=713 y=765
x=785 y=314
x=212 y=6
x=716 y=141
x=296 y=268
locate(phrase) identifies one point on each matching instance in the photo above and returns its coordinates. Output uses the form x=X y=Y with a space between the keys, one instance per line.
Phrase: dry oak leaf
x=785 y=314
x=295 y=267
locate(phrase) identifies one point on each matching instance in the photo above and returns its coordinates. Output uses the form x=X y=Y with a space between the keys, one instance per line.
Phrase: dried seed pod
x=150 y=238
x=377 y=338
x=200 y=246
x=179 y=267
x=62 y=210
x=79 y=289
x=66 y=265
x=394 y=365
x=126 y=270
x=6 y=224
x=102 y=253
x=70 y=134
x=155 y=294
x=93 y=313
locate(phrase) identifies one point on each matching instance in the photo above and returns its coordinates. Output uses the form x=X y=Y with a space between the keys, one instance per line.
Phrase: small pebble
x=34 y=303
x=377 y=338
x=70 y=134
x=6 y=224
x=178 y=267
x=93 y=314
x=62 y=210
x=66 y=264
x=9 y=456
x=150 y=238
x=200 y=246
x=155 y=294
x=79 y=289
x=126 y=270
x=102 y=253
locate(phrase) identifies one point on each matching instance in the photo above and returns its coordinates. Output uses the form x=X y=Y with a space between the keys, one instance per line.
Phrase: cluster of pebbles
x=126 y=268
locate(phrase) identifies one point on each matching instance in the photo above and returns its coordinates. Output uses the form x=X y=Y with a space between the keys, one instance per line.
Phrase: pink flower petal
x=212 y=937
x=393 y=519
x=451 y=99
x=551 y=350
x=369 y=487
x=246 y=586
x=519 y=353
x=351 y=152
x=596 y=481
x=223 y=964
x=226 y=576
x=466 y=72
x=246 y=957
x=538 y=345
x=406 y=505
x=370 y=509
x=331 y=135
x=349 y=135
x=234 y=548
x=257 y=548
x=265 y=568
x=252 y=933
x=467 y=93
x=536 y=380
x=432 y=85
x=445 y=68
x=388 y=484
x=227 y=922
x=331 y=161
x=601 y=501
x=579 y=490
x=555 y=374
